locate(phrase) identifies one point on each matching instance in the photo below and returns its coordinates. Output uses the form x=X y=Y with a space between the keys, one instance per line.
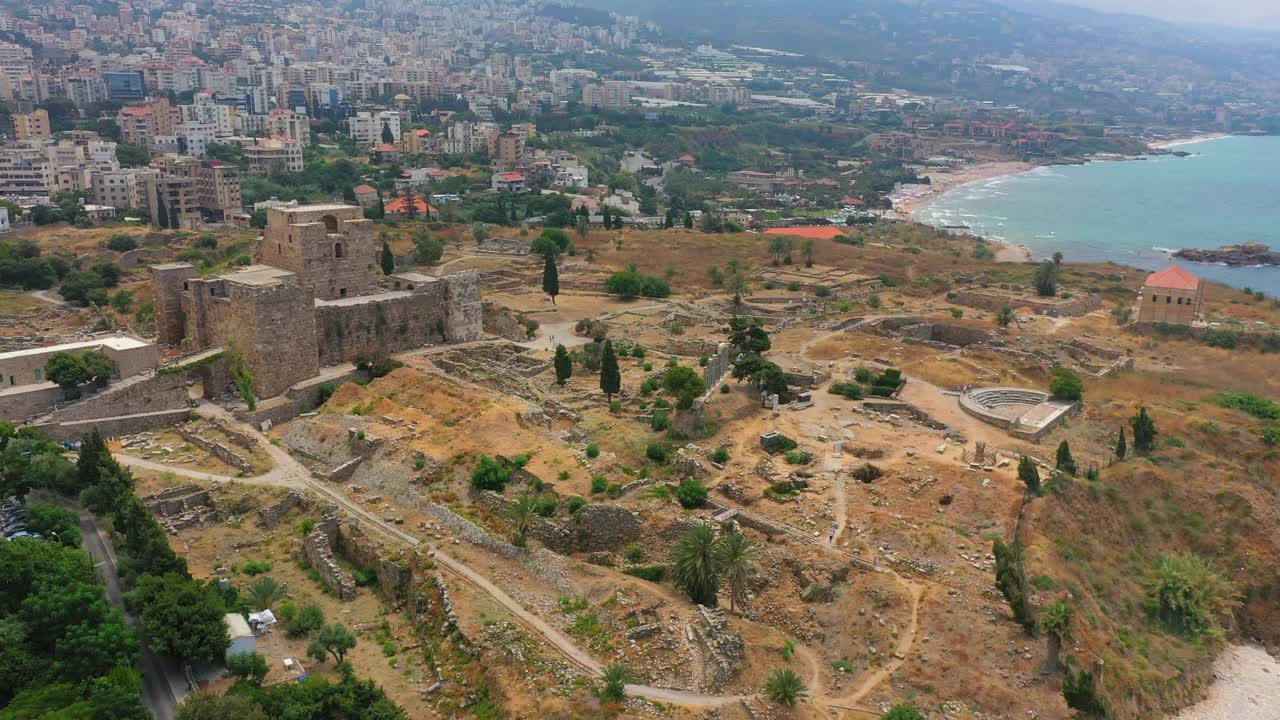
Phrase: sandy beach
x=1170 y=144
x=909 y=197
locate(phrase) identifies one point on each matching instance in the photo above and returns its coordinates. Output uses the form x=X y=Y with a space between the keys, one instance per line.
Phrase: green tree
x=307 y=619
x=521 y=518
x=387 y=136
x=387 y=258
x=1046 y=279
x=490 y=474
x=99 y=366
x=1065 y=463
x=785 y=687
x=265 y=592
x=242 y=376
x=610 y=373
x=807 y=247
x=54 y=521
x=747 y=335
x=1029 y=474
x=780 y=249
x=685 y=383
x=1121 y=447
x=211 y=706
x=1188 y=596
x=739 y=286
x=333 y=640
x=550 y=278
x=247 y=666
x=1011 y=579
x=427 y=250
x=1004 y=316
x=695 y=568
x=1064 y=384
x=736 y=558
x=563 y=364
x=615 y=684
x=691 y=493
x=182 y=618
x=1144 y=432
x=68 y=371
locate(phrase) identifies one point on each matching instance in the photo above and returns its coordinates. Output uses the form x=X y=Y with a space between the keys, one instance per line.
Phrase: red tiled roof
x=816 y=232
x=401 y=205
x=1173 y=278
x=364 y=189
x=386 y=148
x=422 y=132
x=510 y=177
x=687 y=158
x=136 y=111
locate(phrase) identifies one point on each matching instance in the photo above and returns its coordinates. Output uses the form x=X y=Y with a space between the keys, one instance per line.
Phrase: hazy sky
x=1246 y=13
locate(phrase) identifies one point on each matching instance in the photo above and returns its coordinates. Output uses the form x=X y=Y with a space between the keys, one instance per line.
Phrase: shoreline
x=1193 y=140
x=905 y=204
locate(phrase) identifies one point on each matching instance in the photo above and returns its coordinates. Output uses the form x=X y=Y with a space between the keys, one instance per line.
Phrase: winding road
x=288 y=472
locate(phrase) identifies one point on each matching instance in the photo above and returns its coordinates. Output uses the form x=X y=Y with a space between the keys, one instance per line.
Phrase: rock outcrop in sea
x=1250 y=253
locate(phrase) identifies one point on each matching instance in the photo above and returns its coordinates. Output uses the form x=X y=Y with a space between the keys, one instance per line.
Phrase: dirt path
x=289 y=472
x=43 y=296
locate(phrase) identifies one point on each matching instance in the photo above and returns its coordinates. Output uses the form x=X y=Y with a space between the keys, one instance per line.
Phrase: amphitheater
x=1025 y=413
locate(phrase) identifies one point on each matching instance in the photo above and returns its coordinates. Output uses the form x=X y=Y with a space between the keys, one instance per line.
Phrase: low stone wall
x=393 y=573
x=129 y=396
x=176 y=501
x=911 y=411
x=993 y=300
x=216 y=449
x=271 y=515
x=317 y=548
x=114 y=426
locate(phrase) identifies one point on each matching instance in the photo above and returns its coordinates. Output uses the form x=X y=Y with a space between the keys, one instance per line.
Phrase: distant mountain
x=926 y=38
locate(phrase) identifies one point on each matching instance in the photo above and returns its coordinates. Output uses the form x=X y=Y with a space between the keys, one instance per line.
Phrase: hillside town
x=400 y=361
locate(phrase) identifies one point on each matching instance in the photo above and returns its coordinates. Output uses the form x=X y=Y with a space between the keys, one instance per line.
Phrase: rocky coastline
x=1245 y=254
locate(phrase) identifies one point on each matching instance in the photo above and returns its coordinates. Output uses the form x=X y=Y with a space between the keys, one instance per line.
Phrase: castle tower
x=331 y=248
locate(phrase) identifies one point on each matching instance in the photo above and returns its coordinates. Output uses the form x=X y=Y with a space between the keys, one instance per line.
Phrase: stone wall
x=500 y=321
x=317 y=548
x=465 y=322
x=138 y=394
x=1019 y=297
x=167 y=285
x=393 y=571
x=722 y=650
x=381 y=324
x=114 y=426
x=271 y=515
x=594 y=528
x=216 y=449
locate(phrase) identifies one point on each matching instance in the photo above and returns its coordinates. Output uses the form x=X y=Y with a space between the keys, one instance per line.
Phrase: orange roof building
x=400 y=206
x=814 y=232
x=1172 y=295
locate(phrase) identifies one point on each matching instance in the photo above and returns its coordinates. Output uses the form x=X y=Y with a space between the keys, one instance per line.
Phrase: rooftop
x=114 y=342
x=1173 y=278
x=257 y=275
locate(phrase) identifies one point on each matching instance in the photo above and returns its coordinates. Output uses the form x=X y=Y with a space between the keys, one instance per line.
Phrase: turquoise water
x=1135 y=212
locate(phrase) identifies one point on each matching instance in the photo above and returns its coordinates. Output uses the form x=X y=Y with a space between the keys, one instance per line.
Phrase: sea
x=1134 y=212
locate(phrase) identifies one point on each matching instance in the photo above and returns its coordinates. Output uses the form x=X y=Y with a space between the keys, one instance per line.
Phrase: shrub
x=721 y=455
x=307 y=620
x=256 y=567
x=122 y=243
x=633 y=553
x=851 y=390
x=593 y=451
x=661 y=403
x=615 y=406
x=867 y=473
x=1066 y=385
x=785 y=688
x=490 y=474
x=1188 y=596
x=798 y=457
x=660 y=421
x=652 y=573
x=725 y=389
x=576 y=503
x=691 y=493
x=325 y=392
x=902 y=711
x=657 y=452
x=545 y=506
x=1225 y=339
x=599 y=484
x=863 y=375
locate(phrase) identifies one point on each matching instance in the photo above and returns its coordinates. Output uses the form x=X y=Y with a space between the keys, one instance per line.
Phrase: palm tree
x=615 y=684
x=695 y=568
x=785 y=687
x=521 y=517
x=736 y=557
x=265 y=592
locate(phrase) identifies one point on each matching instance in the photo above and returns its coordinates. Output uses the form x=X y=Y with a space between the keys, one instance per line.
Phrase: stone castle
x=315 y=297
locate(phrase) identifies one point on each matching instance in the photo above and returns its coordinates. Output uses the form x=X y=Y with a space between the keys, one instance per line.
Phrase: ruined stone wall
x=317 y=548
x=465 y=321
x=722 y=650
x=500 y=321
x=393 y=571
x=1053 y=307
x=216 y=449
x=114 y=426
x=271 y=515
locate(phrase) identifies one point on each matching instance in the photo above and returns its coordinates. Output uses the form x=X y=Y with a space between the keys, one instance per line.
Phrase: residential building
x=1172 y=295
x=128 y=188
x=177 y=203
x=366 y=195
x=25 y=171
x=612 y=95
x=366 y=127
x=275 y=155
x=507 y=149
x=507 y=182
x=400 y=207
x=137 y=125
x=32 y=126
x=125 y=85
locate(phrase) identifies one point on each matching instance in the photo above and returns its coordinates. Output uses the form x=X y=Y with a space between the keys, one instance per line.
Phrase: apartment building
x=32 y=126
x=25 y=171
x=128 y=188
x=275 y=155
x=217 y=183
x=612 y=95
x=176 y=203
x=366 y=127
x=137 y=125
x=507 y=149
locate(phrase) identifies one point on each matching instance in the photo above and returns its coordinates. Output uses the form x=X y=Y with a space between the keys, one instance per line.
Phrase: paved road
x=157 y=673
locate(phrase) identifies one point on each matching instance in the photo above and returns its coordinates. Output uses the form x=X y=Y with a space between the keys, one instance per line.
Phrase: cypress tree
x=162 y=213
x=610 y=374
x=550 y=277
x=1121 y=447
x=605 y=219
x=1066 y=463
x=563 y=365
x=1029 y=475
x=387 y=136
x=688 y=220
x=388 y=260
x=1144 y=432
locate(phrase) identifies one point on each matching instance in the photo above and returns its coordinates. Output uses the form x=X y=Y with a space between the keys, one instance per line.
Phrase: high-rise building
x=32 y=126
x=125 y=85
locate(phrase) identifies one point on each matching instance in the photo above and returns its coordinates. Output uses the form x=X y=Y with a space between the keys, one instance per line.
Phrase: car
x=25 y=534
